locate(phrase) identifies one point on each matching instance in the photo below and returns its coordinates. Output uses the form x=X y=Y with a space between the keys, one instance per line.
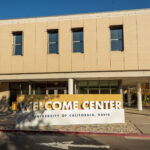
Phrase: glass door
x=56 y=91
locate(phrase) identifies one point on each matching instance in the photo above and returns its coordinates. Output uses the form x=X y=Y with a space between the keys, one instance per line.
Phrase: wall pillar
x=129 y=96
x=121 y=91
x=70 y=86
x=55 y=91
x=33 y=91
x=139 y=96
x=65 y=91
x=29 y=88
x=46 y=91
x=21 y=92
x=75 y=88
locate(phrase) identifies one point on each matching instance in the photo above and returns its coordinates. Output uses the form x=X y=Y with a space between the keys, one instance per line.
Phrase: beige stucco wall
x=97 y=55
x=4 y=97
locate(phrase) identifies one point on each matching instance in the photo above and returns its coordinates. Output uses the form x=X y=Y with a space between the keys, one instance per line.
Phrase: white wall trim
x=75 y=75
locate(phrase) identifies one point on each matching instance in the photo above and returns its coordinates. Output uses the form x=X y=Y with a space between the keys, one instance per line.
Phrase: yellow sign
x=68 y=102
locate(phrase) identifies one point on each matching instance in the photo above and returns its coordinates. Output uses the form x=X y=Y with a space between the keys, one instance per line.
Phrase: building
x=86 y=53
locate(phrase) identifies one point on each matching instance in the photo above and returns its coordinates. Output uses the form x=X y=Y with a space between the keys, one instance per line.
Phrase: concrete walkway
x=141 y=119
x=136 y=122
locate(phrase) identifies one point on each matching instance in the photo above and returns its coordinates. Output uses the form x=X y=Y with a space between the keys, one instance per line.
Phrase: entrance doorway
x=56 y=87
x=59 y=90
x=37 y=88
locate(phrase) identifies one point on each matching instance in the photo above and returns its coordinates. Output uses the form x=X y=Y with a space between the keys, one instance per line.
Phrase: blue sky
x=37 y=8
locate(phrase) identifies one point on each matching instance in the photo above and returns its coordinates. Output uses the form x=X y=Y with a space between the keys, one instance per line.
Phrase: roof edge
x=84 y=15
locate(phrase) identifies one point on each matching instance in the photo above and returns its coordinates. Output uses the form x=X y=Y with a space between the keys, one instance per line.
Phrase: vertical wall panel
x=17 y=61
x=143 y=28
x=41 y=47
x=77 y=58
x=117 y=57
x=29 y=47
x=130 y=43
x=103 y=44
x=5 y=48
x=90 y=44
x=53 y=59
x=65 y=46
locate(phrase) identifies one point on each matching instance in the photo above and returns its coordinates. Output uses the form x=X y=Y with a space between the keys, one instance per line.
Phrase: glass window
x=78 y=40
x=93 y=86
x=53 y=41
x=93 y=83
x=17 y=88
x=114 y=83
x=40 y=87
x=94 y=91
x=105 y=87
x=17 y=44
x=98 y=87
x=82 y=83
x=25 y=88
x=115 y=88
x=82 y=87
x=116 y=38
x=105 y=84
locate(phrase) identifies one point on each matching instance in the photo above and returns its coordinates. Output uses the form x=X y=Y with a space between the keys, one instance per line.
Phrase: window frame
x=79 y=29
x=115 y=27
x=48 y=40
x=14 y=34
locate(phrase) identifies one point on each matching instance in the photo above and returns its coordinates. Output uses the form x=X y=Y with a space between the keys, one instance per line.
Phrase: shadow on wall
x=4 y=104
x=27 y=121
x=4 y=97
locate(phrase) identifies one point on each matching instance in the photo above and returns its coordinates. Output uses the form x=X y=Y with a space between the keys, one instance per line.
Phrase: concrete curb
x=75 y=132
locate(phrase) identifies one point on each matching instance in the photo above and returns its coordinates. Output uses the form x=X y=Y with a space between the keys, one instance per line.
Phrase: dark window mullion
x=77 y=40
x=53 y=41
x=17 y=43
x=116 y=38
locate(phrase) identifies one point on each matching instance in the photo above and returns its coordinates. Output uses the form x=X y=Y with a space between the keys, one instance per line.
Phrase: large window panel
x=17 y=43
x=53 y=41
x=78 y=40
x=116 y=38
x=98 y=87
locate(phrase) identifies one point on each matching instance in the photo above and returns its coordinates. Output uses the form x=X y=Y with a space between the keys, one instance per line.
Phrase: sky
x=36 y=8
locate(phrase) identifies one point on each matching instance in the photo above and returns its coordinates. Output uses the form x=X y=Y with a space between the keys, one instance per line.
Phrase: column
x=129 y=96
x=75 y=87
x=33 y=91
x=46 y=91
x=139 y=96
x=55 y=91
x=70 y=86
x=29 y=88
x=88 y=91
x=121 y=92
x=65 y=91
x=21 y=89
x=33 y=88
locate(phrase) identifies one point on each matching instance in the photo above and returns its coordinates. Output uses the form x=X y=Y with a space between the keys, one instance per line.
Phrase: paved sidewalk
x=136 y=122
x=141 y=119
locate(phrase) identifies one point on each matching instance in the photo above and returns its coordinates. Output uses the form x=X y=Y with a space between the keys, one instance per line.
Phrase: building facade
x=99 y=53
